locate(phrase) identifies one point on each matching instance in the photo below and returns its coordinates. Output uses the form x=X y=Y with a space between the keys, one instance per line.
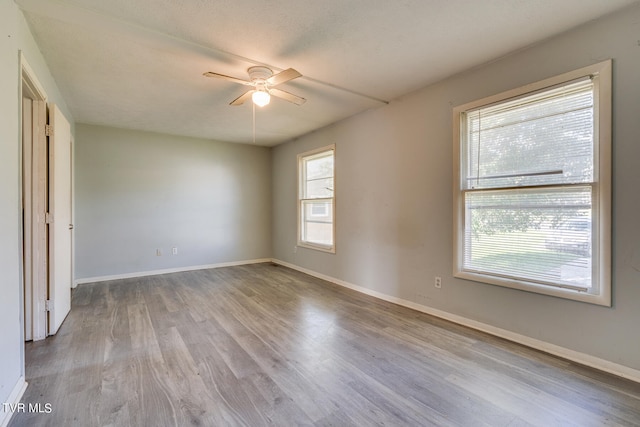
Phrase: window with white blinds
x=316 y=196
x=533 y=188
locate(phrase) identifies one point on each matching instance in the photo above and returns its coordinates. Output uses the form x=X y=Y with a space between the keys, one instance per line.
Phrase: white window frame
x=600 y=292
x=301 y=199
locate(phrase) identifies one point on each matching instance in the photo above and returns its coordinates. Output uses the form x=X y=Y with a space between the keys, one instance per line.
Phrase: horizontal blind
x=541 y=235
x=527 y=185
x=540 y=139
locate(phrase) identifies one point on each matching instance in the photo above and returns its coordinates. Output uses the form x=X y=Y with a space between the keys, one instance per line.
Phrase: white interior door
x=60 y=226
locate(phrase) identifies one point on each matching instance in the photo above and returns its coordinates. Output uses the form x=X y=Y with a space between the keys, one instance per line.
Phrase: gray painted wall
x=15 y=36
x=394 y=198
x=139 y=191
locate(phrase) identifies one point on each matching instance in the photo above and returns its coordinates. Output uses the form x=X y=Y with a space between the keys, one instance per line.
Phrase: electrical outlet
x=438 y=282
x=174 y=251
x=158 y=252
x=295 y=249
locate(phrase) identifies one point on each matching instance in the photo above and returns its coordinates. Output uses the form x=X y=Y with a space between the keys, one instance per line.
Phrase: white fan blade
x=242 y=98
x=287 y=96
x=283 y=76
x=231 y=79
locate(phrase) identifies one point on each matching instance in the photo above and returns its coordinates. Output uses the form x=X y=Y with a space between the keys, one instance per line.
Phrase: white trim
x=317 y=246
x=33 y=82
x=556 y=350
x=167 y=271
x=14 y=397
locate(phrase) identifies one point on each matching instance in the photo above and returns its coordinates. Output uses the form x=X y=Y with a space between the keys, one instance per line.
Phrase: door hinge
x=47 y=305
x=48 y=130
x=48 y=218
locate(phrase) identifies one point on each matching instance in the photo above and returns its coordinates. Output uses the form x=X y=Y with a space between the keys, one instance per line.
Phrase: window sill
x=603 y=298
x=317 y=247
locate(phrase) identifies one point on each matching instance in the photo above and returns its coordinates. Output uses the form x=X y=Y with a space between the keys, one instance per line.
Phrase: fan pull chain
x=254 y=121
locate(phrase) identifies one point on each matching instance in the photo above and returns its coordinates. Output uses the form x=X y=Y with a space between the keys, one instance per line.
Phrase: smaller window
x=316 y=199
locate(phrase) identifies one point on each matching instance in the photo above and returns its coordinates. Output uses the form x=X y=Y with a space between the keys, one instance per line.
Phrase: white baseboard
x=166 y=271
x=575 y=356
x=14 y=398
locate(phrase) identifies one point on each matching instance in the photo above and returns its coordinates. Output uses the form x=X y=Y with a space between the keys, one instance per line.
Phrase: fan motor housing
x=259 y=73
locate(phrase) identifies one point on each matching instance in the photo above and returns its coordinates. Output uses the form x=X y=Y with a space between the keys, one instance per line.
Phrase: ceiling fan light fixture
x=261 y=98
x=263 y=82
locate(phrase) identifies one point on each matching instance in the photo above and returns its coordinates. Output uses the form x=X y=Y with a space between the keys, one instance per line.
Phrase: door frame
x=32 y=265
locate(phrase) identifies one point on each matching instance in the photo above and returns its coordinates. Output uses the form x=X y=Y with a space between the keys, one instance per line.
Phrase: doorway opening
x=34 y=205
x=46 y=210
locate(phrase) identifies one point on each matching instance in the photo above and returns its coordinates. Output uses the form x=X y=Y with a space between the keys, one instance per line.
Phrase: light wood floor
x=266 y=345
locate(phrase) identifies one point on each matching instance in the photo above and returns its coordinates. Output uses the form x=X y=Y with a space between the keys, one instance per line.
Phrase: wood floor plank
x=280 y=408
x=263 y=345
x=228 y=390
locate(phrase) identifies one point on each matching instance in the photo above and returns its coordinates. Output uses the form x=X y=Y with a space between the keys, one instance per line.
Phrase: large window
x=316 y=199
x=532 y=187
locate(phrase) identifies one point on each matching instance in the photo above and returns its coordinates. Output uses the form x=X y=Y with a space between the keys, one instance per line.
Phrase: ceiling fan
x=263 y=81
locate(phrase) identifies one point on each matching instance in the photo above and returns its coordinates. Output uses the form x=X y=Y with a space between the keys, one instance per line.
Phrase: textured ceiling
x=138 y=63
